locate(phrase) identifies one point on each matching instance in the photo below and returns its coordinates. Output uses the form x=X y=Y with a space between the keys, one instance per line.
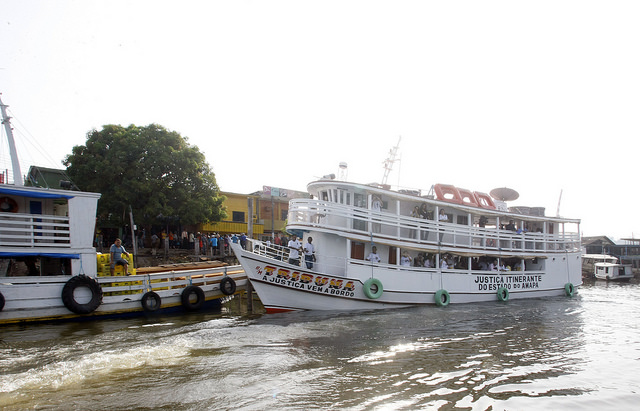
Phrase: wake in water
x=547 y=353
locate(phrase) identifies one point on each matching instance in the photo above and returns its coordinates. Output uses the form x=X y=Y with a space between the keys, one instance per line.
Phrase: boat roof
x=39 y=192
x=412 y=195
x=600 y=256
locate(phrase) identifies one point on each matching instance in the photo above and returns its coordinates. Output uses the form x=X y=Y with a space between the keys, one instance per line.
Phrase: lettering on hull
x=510 y=282
x=320 y=284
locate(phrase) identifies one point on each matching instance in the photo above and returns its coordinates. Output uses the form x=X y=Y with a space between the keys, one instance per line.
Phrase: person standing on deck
x=373 y=256
x=309 y=253
x=294 y=250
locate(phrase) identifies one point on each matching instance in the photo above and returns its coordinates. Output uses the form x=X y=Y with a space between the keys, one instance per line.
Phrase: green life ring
x=569 y=289
x=503 y=294
x=375 y=284
x=442 y=298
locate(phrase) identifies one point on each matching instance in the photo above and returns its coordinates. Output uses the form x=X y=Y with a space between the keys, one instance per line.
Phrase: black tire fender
x=227 y=286
x=186 y=298
x=69 y=299
x=151 y=302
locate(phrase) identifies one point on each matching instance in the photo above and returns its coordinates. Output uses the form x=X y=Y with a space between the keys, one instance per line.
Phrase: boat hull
x=34 y=299
x=285 y=287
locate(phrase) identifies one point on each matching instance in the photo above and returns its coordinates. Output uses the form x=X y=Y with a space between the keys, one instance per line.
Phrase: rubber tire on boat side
x=69 y=300
x=1 y=301
x=186 y=298
x=151 y=302
x=503 y=294
x=442 y=298
x=569 y=289
x=367 y=288
x=227 y=286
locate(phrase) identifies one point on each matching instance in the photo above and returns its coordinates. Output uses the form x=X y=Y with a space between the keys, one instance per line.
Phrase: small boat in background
x=589 y=262
x=613 y=271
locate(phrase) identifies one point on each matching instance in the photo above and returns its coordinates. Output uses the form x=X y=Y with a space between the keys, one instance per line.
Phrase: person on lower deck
x=294 y=250
x=309 y=253
x=116 y=252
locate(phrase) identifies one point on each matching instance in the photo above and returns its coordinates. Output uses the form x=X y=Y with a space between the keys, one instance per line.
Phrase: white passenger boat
x=49 y=269
x=589 y=262
x=613 y=271
x=480 y=251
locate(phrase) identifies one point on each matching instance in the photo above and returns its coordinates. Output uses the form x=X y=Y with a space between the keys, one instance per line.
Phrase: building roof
x=597 y=240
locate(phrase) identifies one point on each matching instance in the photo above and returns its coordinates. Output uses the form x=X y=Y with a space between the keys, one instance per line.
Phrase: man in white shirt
x=294 y=249
x=309 y=256
x=374 y=257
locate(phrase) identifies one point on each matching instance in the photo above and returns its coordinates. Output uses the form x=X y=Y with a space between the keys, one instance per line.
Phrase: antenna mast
x=388 y=163
x=559 y=199
x=15 y=164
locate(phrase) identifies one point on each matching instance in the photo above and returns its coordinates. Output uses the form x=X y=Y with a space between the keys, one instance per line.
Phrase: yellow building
x=270 y=209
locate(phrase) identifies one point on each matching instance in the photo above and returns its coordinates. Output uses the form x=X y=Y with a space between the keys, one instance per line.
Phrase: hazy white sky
x=539 y=96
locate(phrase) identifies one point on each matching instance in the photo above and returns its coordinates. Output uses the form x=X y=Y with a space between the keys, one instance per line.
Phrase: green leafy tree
x=151 y=169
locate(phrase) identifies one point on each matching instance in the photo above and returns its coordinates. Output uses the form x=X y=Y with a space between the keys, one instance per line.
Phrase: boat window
x=343 y=197
x=360 y=200
x=238 y=217
x=463 y=219
x=34 y=266
x=357 y=250
x=324 y=196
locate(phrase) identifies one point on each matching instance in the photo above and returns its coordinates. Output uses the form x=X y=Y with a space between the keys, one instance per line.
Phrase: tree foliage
x=151 y=169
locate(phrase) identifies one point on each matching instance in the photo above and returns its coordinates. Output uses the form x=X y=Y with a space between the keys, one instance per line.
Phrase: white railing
x=332 y=216
x=170 y=281
x=281 y=253
x=337 y=265
x=34 y=230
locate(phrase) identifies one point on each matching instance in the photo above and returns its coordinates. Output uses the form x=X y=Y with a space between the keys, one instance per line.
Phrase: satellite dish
x=504 y=194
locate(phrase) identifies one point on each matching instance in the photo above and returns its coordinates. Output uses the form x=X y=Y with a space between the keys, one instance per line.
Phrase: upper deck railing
x=309 y=213
x=34 y=230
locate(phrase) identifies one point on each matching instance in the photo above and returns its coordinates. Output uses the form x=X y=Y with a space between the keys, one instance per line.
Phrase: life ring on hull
x=227 y=286
x=503 y=294
x=569 y=289
x=186 y=298
x=8 y=205
x=151 y=302
x=1 y=301
x=449 y=193
x=442 y=298
x=373 y=288
x=69 y=297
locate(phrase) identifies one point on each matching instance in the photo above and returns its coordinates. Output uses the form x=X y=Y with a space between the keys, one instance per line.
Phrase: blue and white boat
x=49 y=268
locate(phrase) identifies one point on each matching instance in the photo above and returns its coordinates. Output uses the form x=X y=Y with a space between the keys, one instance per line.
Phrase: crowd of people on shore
x=205 y=244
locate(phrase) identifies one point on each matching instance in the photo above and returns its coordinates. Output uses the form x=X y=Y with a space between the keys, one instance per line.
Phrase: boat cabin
x=46 y=232
x=449 y=227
